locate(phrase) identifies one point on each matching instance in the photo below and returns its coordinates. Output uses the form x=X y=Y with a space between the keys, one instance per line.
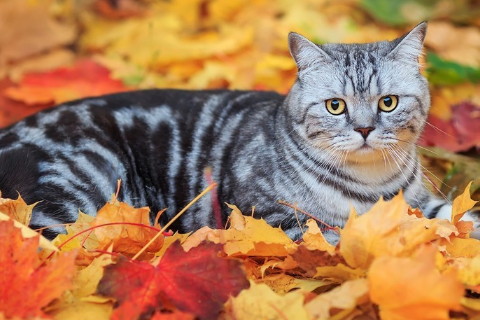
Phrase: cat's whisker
x=400 y=151
x=439 y=130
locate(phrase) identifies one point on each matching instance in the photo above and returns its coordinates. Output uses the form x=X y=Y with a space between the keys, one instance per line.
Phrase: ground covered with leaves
x=390 y=263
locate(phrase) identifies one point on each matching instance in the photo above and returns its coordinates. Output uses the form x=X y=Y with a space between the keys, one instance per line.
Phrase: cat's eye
x=335 y=106
x=388 y=103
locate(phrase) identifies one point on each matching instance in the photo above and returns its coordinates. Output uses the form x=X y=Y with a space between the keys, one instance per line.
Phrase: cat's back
x=145 y=138
x=141 y=108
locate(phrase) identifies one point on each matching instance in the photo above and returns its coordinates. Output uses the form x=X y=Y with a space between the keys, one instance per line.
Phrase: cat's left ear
x=409 y=47
x=305 y=52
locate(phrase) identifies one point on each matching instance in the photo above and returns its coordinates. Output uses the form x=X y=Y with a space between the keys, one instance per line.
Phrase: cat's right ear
x=305 y=52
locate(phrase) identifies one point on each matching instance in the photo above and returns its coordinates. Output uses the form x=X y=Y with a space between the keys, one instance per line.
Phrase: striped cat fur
x=260 y=146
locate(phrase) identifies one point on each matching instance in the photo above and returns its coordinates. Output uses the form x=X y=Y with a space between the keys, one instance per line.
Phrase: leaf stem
x=204 y=192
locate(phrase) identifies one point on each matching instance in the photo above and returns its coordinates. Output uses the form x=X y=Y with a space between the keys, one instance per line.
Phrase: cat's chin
x=365 y=155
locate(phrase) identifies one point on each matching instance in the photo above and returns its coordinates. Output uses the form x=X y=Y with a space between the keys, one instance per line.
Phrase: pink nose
x=365 y=131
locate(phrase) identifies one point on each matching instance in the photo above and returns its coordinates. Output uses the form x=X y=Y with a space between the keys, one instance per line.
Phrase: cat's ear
x=409 y=47
x=305 y=52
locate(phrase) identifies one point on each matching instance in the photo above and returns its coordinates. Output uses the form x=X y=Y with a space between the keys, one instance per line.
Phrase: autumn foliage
x=390 y=263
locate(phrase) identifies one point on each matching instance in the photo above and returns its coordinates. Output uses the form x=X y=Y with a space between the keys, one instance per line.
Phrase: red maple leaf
x=26 y=283
x=197 y=282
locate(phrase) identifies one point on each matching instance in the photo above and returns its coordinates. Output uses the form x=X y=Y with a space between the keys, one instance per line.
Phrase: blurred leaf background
x=52 y=51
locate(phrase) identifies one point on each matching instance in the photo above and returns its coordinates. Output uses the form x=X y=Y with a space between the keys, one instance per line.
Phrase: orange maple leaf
x=27 y=284
x=412 y=288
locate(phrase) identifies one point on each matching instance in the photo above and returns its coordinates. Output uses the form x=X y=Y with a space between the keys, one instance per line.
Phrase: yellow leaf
x=314 y=240
x=82 y=310
x=283 y=283
x=345 y=297
x=17 y=209
x=388 y=230
x=412 y=288
x=261 y=302
x=462 y=204
x=468 y=270
x=245 y=236
x=339 y=273
x=361 y=238
x=467 y=248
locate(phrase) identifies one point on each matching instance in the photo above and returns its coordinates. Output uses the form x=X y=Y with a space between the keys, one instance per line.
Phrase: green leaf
x=445 y=72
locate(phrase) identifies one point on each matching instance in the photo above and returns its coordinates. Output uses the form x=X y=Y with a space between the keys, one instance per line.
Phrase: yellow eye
x=335 y=106
x=388 y=103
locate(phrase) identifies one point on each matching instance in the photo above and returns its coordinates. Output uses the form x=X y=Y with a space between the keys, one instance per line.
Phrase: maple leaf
x=198 y=282
x=27 y=285
x=12 y=111
x=126 y=239
x=462 y=204
x=82 y=296
x=85 y=78
x=261 y=302
x=17 y=209
x=425 y=292
x=457 y=133
x=345 y=297
x=314 y=239
x=388 y=229
x=245 y=235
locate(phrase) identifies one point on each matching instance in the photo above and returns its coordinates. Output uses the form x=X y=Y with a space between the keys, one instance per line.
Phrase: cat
x=345 y=135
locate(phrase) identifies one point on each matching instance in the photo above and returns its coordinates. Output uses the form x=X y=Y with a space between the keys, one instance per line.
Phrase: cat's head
x=359 y=100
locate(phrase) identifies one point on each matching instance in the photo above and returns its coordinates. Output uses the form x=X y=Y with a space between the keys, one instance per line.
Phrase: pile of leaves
x=390 y=263
x=87 y=48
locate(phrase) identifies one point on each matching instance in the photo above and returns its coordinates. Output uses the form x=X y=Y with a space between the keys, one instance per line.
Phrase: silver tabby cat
x=344 y=136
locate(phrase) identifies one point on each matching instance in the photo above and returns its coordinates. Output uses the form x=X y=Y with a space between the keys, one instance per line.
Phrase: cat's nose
x=364 y=131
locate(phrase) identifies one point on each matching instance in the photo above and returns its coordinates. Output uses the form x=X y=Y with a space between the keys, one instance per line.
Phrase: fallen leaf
x=467 y=248
x=425 y=292
x=85 y=78
x=462 y=204
x=361 y=238
x=127 y=238
x=454 y=43
x=283 y=283
x=24 y=37
x=261 y=302
x=17 y=209
x=44 y=243
x=345 y=297
x=198 y=282
x=313 y=238
x=468 y=269
x=339 y=273
x=245 y=236
x=27 y=283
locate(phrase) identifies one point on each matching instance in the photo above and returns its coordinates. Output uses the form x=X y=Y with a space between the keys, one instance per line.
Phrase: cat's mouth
x=366 y=147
